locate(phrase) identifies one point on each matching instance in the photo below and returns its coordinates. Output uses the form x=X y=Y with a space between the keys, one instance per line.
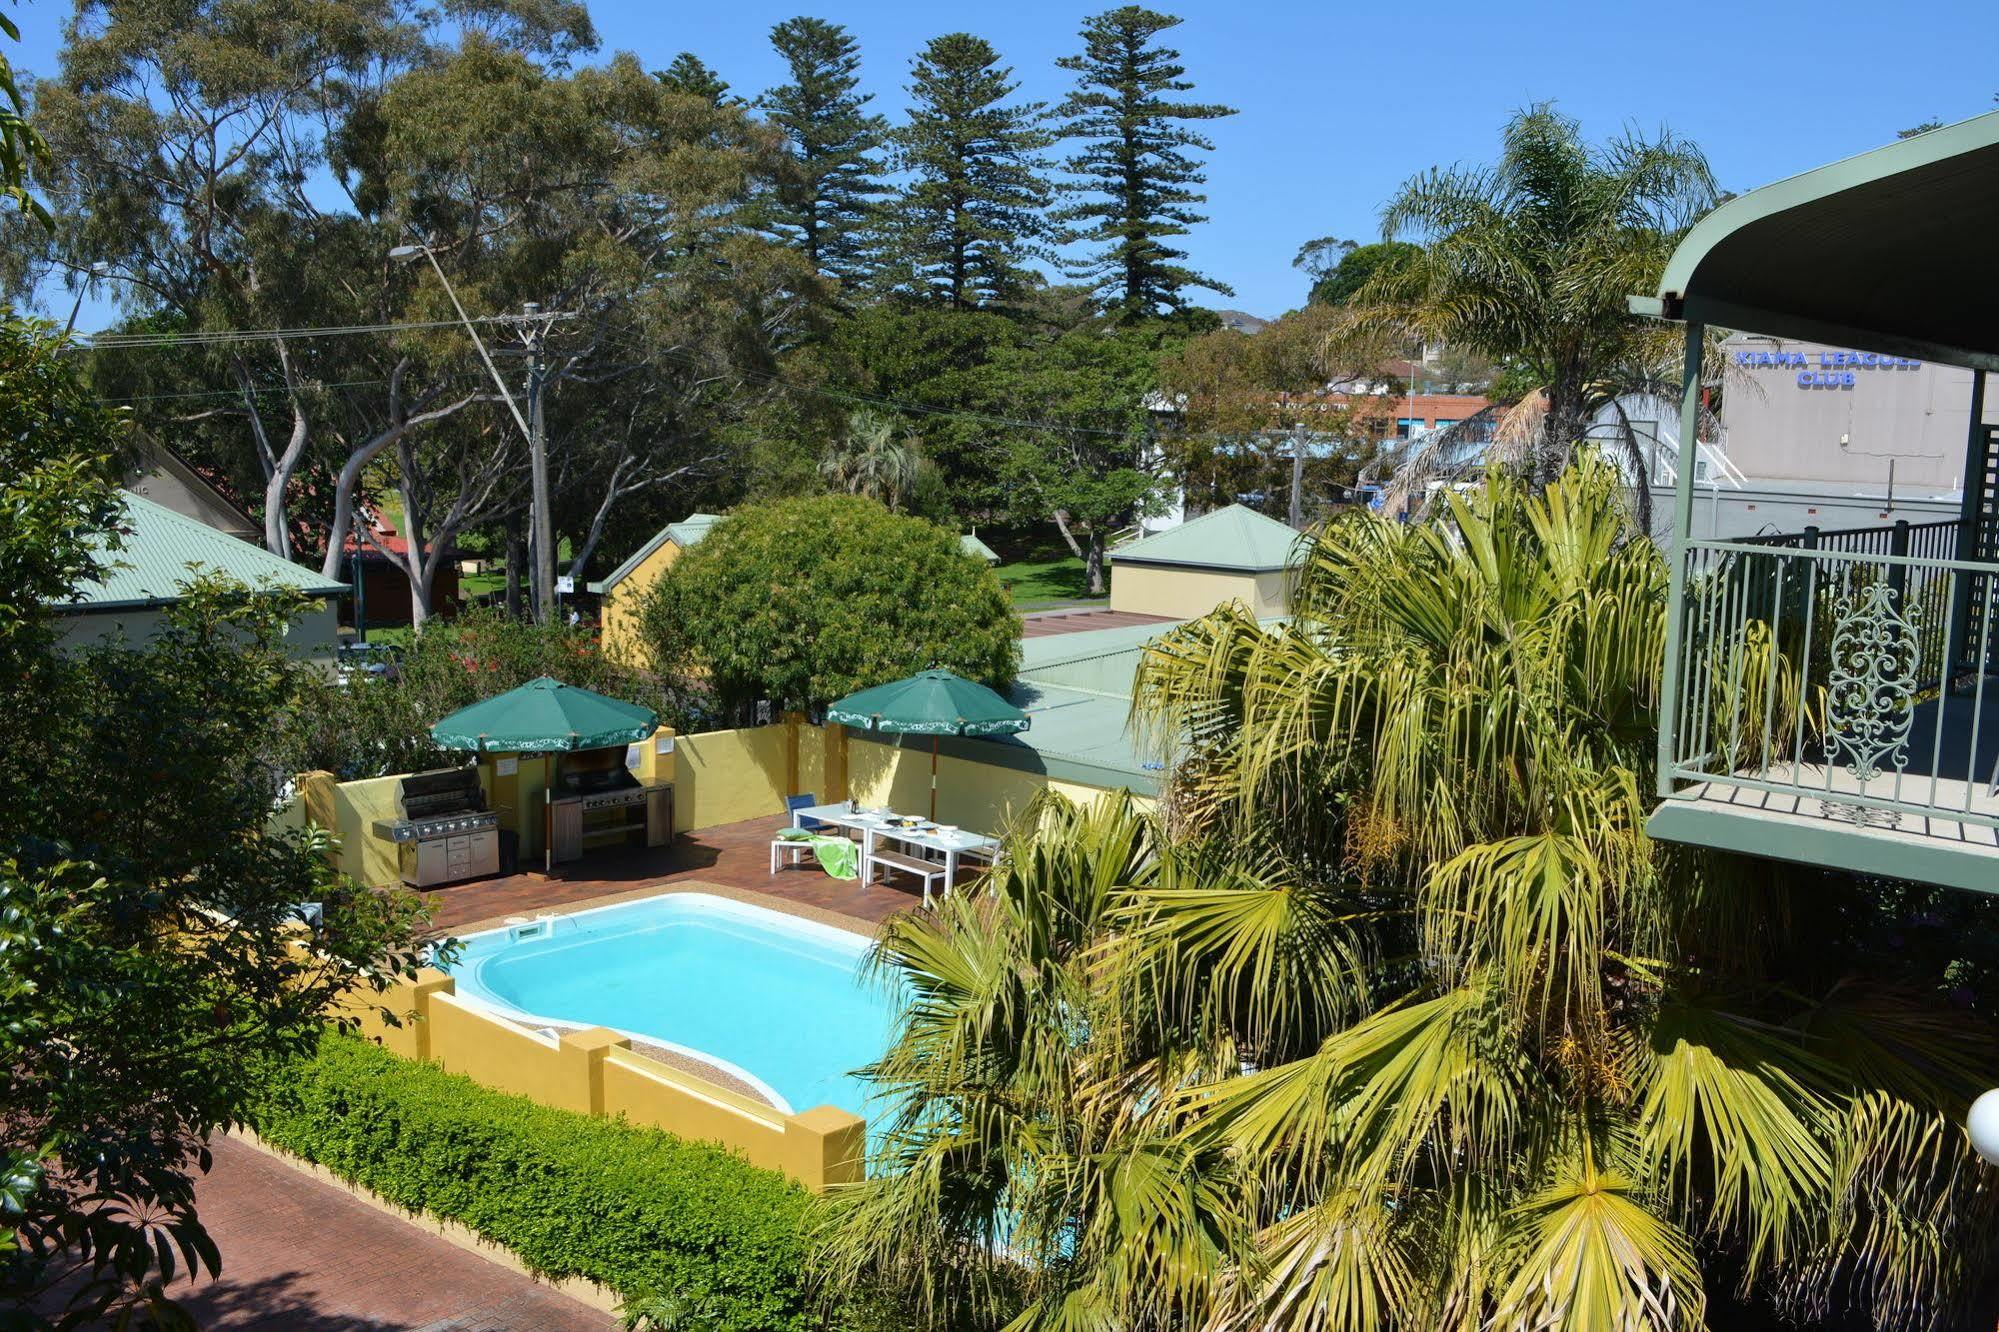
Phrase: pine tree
x=689 y=75
x=1137 y=177
x=975 y=211
x=826 y=207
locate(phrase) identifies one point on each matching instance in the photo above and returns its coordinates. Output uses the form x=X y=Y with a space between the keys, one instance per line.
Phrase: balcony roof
x=1891 y=251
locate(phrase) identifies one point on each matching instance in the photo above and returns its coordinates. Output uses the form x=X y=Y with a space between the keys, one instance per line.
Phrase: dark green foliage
x=825 y=205
x=1139 y=180
x=1341 y=268
x=148 y=925
x=370 y=726
x=805 y=601
x=20 y=146
x=631 y=1208
x=966 y=225
x=689 y=76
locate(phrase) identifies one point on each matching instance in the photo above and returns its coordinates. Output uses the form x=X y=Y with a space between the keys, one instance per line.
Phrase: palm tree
x=1395 y=1017
x=1530 y=261
x=873 y=459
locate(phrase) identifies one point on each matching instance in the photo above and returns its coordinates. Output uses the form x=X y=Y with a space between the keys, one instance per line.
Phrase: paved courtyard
x=732 y=855
x=302 y=1256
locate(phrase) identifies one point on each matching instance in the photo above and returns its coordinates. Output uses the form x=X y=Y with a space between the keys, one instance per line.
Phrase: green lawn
x=1044 y=580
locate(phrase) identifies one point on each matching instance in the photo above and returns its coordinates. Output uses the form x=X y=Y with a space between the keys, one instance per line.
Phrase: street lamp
x=1983 y=1126
x=542 y=525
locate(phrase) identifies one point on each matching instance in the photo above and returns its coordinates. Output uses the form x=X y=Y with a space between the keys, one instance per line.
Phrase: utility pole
x=544 y=539
x=1297 y=514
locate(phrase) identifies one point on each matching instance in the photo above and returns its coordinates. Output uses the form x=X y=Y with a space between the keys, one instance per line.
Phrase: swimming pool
x=775 y=999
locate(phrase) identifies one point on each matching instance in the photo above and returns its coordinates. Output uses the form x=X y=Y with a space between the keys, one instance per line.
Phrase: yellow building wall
x=982 y=797
x=595 y=1072
x=728 y=776
x=619 y=614
x=1184 y=594
x=348 y=810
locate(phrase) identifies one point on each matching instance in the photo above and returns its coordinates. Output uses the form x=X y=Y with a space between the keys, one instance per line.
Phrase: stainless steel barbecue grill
x=446 y=834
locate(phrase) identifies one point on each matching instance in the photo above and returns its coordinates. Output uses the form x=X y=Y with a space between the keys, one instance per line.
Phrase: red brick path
x=302 y=1256
x=733 y=855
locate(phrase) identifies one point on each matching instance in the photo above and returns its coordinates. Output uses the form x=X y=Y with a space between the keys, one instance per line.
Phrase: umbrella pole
x=933 y=779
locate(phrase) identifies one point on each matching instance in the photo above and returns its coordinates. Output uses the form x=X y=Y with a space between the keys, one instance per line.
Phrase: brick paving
x=299 y=1255
x=732 y=855
x=1041 y=624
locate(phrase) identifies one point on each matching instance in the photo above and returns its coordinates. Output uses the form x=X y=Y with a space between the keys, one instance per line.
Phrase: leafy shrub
x=805 y=601
x=631 y=1208
x=373 y=726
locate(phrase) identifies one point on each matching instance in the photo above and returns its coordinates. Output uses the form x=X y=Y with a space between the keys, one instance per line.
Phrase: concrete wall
x=983 y=797
x=348 y=810
x=595 y=1072
x=727 y=776
x=619 y=614
x=1183 y=593
x=1802 y=411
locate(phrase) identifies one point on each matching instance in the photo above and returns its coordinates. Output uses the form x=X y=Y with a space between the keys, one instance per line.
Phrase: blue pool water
x=772 y=996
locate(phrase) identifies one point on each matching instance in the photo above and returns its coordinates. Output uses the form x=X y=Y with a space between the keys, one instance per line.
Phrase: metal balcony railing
x=1845 y=675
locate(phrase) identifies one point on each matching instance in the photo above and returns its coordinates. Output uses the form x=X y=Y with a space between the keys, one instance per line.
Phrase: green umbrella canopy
x=929 y=703
x=542 y=716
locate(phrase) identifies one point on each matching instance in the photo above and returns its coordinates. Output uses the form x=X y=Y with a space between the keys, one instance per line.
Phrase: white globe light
x=1983 y=1125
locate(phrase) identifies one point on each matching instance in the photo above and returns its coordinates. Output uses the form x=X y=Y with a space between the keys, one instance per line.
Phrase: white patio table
x=873 y=824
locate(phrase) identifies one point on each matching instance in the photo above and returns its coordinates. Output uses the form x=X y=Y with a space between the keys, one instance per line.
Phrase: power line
x=136 y=341
x=239 y=392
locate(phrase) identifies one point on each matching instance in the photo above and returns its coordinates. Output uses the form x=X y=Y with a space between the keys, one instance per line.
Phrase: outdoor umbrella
x=543 y=716
x=931 y=703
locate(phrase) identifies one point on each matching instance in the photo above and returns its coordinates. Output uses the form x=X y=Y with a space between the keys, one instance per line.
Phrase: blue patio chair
x=792 y=804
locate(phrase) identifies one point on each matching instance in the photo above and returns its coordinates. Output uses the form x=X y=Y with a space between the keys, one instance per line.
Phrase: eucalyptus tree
x=974 y=212
x=1395 y=1018
x=611 y=199
x=825 y=204
x=1136 y=180
x=190 y=136
x=1529 y=261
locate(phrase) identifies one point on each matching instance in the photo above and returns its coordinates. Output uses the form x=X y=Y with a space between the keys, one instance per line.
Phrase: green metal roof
x=1100 y=660
x=163 y=550
x=1890 y=251
x=978 y=549
x=687 y=532
x=1237 y=538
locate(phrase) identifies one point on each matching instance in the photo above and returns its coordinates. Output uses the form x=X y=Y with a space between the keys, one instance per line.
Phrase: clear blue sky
x=1339 y=104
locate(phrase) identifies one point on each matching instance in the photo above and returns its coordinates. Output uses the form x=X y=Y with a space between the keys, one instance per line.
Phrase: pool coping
x=748 y=897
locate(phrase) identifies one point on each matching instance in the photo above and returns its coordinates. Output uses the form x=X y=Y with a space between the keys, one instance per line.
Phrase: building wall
x=1765 y=508
x=1802 y=411
x=171 y=484
x=728 y=776
x=1183 y=593
x=621 y=607
x=314 y=635
x=983 y=797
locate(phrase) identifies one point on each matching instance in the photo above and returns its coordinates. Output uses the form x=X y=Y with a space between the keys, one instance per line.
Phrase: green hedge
x=634 y=1209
